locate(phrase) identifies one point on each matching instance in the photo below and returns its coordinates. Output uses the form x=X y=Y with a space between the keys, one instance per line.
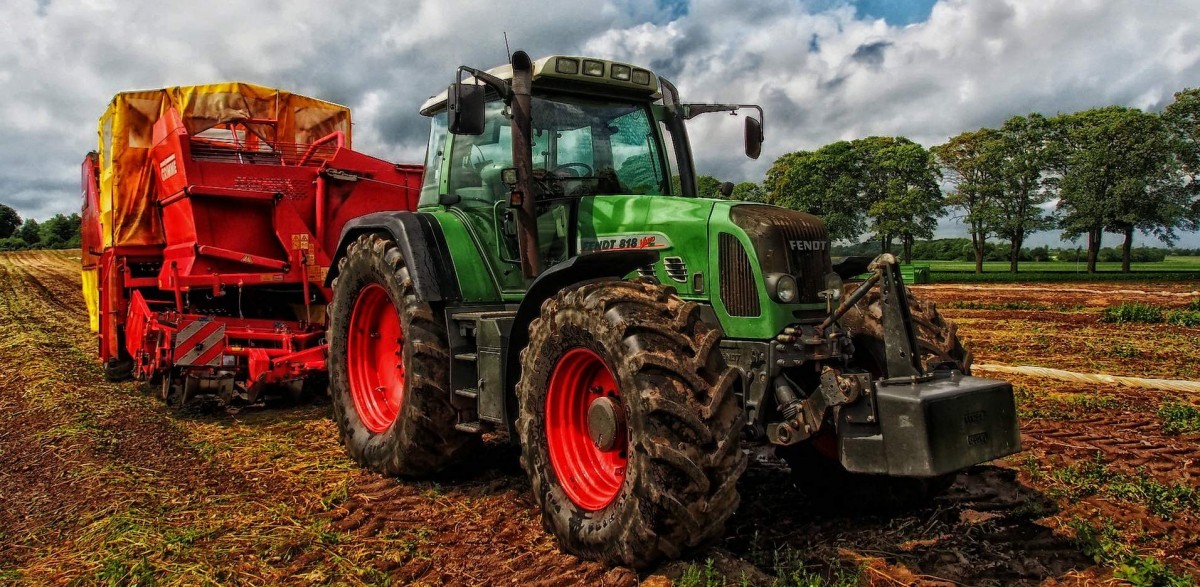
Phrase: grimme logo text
x=807 y=245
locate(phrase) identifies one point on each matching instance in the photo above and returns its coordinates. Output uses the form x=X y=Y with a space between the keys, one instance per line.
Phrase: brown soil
x=101 y=483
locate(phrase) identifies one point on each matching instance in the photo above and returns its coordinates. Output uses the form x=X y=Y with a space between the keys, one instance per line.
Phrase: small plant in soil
x=1179 y=418
x=1132 y=312
x=1105 y=545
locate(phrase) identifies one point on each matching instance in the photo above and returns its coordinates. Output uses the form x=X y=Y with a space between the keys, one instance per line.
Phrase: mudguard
x=422 y=243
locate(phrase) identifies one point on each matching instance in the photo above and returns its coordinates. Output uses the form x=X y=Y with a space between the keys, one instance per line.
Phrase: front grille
x=739 y=292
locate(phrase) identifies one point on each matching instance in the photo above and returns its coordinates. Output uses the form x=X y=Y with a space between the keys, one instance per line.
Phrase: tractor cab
x=596 y=128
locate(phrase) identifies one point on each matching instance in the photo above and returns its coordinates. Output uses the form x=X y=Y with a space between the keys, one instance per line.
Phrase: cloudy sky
x=823 y=69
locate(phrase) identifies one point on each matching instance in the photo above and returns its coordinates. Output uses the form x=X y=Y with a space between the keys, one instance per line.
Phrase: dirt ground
x=102 y=484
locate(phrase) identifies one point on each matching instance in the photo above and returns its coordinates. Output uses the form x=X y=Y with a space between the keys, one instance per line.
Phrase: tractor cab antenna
x=506 y=49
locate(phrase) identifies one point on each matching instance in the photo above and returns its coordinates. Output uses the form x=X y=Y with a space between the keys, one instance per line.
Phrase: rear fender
x=420 y=241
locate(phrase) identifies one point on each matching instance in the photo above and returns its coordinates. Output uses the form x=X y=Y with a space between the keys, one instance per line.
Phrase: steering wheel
x=572 y=167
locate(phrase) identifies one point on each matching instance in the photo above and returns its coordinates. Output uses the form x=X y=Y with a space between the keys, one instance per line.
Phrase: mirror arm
x=690 y=111
x=502 y=87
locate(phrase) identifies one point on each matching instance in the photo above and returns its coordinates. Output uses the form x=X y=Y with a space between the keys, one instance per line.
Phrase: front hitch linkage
x=803 y=418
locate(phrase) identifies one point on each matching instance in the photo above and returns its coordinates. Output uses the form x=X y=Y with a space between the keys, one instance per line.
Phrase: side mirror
x=466 y=107
x=726 y=189
x=754 y=137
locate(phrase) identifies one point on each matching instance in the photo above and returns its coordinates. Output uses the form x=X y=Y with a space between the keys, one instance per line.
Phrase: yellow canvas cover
x=91 y=295
x=127 y=215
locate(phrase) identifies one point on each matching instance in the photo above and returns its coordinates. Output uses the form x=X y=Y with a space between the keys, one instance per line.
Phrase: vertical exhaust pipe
x=527 y=235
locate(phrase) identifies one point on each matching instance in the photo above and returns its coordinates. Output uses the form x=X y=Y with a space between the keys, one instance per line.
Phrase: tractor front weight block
x=931 y=428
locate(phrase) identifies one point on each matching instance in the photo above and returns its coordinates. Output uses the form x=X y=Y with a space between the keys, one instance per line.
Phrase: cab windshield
x=581 y=147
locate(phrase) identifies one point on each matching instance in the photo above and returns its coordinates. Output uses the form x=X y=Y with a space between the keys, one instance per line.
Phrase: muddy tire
x=389 y=378
x=937 y=337
x=629 y=423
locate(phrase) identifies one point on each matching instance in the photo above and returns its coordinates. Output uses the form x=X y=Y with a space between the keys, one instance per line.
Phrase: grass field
x=1172 y=264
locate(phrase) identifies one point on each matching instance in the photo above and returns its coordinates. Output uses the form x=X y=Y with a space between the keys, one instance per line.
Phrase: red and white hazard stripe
x=200 y=343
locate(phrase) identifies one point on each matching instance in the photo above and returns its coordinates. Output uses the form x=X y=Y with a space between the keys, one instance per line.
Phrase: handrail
x=338 y=136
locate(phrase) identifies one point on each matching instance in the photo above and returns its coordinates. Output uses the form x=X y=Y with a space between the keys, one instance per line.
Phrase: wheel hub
x=374 y=358
x=606 y=423
x=585 y=429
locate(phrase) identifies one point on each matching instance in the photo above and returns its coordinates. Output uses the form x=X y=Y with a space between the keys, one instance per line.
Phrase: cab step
x=475 y=427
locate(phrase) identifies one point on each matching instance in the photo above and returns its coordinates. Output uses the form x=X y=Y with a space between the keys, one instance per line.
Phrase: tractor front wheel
x=629 y=423
x=389 y=377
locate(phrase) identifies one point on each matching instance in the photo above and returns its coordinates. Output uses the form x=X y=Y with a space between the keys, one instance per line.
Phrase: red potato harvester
x=211 y=215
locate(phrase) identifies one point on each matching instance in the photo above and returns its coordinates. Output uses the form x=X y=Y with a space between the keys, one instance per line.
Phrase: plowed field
x=102 y=484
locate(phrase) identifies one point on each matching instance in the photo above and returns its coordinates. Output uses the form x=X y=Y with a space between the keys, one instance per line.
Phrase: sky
x=824 y=70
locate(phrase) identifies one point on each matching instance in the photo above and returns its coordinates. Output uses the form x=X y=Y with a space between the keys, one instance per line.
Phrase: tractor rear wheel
x=629 y=423
x=389 y=377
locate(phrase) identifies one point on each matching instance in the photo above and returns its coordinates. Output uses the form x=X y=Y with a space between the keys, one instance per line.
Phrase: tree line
x=1112 y=169
x=962 y=249
x=59 y=232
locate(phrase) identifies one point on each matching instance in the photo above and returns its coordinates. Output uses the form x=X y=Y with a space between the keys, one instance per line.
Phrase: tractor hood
x=787 y=241
x=750 y=247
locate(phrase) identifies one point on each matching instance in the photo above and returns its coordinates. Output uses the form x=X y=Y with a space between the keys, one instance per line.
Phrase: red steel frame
x=236 y=215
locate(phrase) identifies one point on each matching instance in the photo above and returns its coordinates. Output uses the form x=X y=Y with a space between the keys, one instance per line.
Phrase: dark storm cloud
x=871 y=54
x=786 y=114
x=824 y=69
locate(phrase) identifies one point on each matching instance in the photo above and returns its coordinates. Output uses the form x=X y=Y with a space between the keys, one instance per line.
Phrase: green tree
x=902 y=188
x=1182 y=118
x=1025 y=162
x=708 y=186
x=29 y=232
x=1113 y=168
x=59 y=232
x=888 y=185
x=748 y=191
x=826 y=182
x=10 y=221
x=972 y=164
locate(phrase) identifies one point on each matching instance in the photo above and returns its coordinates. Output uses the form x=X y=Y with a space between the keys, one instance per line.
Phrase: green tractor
x=561 y=285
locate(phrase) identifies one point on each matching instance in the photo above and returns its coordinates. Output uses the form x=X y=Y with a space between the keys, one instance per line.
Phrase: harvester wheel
x=389 y=376
x=118 y=369
x=629 y=423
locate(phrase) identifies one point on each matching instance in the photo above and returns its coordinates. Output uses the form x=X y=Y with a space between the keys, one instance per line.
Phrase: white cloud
x=821 y=73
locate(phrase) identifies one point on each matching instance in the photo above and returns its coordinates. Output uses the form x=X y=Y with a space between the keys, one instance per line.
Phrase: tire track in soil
x=1129 y=442
x=984 y=530
x=1133 y=443
x=477 y=526
x=76 y=452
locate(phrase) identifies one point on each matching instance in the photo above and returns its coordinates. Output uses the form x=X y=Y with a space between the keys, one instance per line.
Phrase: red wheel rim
x=590 y=476
x=374 y=358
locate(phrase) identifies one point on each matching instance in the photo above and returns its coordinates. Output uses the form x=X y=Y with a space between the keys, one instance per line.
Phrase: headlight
x=834 y=285
x=782 y=287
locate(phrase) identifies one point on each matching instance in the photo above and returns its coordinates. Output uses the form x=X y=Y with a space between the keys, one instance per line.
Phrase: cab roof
x=571 y=69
